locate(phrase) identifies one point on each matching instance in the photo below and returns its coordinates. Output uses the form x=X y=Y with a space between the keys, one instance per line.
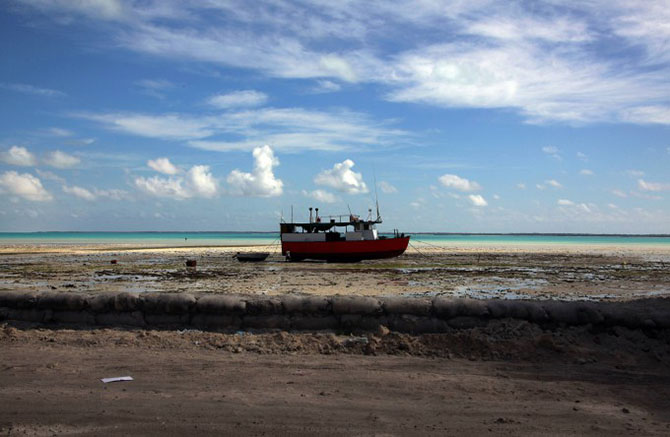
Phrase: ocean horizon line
x=520 y=234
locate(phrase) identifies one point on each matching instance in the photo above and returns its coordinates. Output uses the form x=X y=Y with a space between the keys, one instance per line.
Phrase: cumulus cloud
x=387 y=188
x=652 y=186
x=619 y=193
x=477 y=200
x=200 y=181
x=565 y=202
x=163 y=165
x=19 y=156
x=586 y=172
x=554 y=183
x=80 y=192
x=197 y=182
x=459 y=183
x=342 y=178
x=60 y=159
x=24 y=185
x=163 y=187
x=238 y=98
x=320 y=196
x=261 y=181
x=521 y=186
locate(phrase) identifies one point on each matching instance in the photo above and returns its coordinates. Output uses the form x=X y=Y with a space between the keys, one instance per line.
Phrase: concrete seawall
x=312 y=313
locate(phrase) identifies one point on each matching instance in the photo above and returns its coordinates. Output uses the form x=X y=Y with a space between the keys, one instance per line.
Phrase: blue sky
x=479 y=116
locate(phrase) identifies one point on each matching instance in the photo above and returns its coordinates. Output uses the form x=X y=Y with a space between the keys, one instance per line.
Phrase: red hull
x=345 y=250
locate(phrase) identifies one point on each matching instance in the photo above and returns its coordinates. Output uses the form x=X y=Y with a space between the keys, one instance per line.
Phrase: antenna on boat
x=379 y=219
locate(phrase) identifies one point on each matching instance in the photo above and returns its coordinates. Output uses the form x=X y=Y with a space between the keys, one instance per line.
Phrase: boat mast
x=379 y=219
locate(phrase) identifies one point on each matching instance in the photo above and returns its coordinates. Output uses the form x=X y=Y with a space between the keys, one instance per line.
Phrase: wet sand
x=534 y=272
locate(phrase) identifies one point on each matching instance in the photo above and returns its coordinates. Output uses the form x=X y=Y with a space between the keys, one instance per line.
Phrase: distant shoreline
x=501 y=234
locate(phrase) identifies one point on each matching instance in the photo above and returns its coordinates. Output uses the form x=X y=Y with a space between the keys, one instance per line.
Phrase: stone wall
x=343 y=313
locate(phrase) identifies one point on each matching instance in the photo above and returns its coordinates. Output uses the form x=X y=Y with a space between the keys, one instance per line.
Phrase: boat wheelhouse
x=322 y=239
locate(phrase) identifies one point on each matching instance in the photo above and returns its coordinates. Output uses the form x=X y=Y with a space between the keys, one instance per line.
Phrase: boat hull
x=345 y=251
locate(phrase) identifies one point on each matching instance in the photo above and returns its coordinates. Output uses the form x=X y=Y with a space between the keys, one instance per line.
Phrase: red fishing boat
x=319 y=239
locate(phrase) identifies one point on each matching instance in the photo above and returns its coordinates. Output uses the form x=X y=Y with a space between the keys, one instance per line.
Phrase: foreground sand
x=502 y=380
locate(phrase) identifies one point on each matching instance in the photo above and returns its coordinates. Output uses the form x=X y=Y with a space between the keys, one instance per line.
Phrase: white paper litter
x=117 y=379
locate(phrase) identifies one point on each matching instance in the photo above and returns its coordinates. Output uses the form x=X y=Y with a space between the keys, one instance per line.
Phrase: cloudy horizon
x=462 y=117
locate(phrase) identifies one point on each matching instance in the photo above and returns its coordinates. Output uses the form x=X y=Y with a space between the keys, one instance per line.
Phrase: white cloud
x=538 y=61
x=24 y=185
x=552 y=151
x=342 y=178
x=337 y=66
x=635 y=173
x=540 y=187
x=113 y=194
x=496 y=197
x=60 y=159
x=155 y=87
x=477 y=200
x=554 y=183
x=238 y=98
x=44 y=174
x=80 y=141
x=387 y=188
x=80 y=192
x=59 y=132
x=166 y=126
x=163 y=187
x=197 y=182
x=652 y=186
x=325 y=86
x=30 y=89
x=619 y=193
x=200 y=181
x=655 y=114
x=321 y=196
x=261 y=181
x=458 y=183
x=565 y=202
x=20 y=156
x=586 y=172
x=521 y=186
x=582 y=156
x=287 y=129
x=163 y=165
x=103 y=9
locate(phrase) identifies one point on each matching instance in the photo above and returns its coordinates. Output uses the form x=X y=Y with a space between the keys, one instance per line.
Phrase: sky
x=459 y=116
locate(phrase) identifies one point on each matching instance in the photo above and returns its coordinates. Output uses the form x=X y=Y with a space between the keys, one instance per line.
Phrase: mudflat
x=508 y=272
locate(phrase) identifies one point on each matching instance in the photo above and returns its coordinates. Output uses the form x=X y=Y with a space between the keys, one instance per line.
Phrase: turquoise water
x=265 y=238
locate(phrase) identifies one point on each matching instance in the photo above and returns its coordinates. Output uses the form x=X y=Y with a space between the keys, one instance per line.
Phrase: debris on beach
x=116 y=379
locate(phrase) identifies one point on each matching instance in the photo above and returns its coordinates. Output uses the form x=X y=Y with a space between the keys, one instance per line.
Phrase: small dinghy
x=251 y=256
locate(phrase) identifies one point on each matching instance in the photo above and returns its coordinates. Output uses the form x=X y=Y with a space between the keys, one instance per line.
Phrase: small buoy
x=190 y=263
x=113 y=261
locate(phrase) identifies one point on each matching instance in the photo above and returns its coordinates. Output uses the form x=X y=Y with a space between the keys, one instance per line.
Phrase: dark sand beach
x=509 y=377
